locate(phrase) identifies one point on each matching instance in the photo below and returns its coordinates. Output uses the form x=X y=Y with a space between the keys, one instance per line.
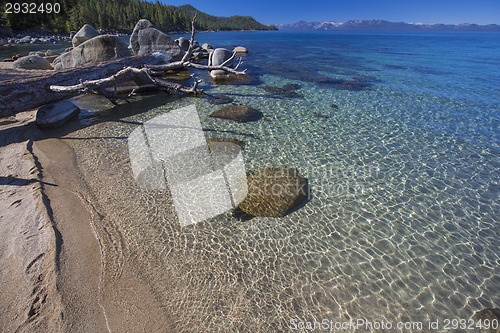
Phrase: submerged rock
x=281 y=91
x=50 y=53
x=490 y=316
x=177 y=75
x=274 y=192
x=55 y=114
x=95 y=50
x=219 y=56
x=355 y=84
x=32 y=62
x=216 y=58
x=84 y=34
x=219 y=75
x=230 y=140
x=239 y=113
x=219 y=99
x=146 y=38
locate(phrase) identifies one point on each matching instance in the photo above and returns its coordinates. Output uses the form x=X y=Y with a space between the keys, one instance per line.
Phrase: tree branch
x=189 y=51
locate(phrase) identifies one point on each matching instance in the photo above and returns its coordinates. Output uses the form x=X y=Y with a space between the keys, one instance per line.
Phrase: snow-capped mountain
x=382 y=25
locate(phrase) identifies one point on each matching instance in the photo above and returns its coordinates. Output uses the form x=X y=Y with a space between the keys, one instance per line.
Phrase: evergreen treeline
x=40 y=17
x=122 y=15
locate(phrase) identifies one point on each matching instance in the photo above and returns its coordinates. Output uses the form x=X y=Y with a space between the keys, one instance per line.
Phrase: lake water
x=399 y=137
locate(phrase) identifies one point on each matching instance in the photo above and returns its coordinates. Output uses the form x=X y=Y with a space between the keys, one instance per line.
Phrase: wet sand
x=28 y=239
x=52 y=277
x=50 y=255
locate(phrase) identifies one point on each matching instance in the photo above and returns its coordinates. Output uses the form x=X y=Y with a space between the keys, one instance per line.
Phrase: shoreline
x=28 y=241
x=79 y=275
x=57 y=290
x=76 y=272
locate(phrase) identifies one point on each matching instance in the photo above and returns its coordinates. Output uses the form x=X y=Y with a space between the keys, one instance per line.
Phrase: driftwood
x=28 y=93
x=31 y=92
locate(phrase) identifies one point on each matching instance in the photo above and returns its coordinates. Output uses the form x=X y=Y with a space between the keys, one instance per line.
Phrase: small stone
x=292 y=86
x=32 y=62
x=230 y=140
x=207 y=46
x=240 y=49
x=56 y=114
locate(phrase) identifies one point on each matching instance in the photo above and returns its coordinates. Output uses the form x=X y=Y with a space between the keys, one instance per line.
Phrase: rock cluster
x=54 y=115
x=91 y=46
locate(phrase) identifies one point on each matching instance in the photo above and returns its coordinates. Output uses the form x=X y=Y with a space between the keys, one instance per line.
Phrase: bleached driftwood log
x=31 y=92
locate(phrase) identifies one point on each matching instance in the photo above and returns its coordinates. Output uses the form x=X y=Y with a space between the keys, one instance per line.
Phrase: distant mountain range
x=381 y=25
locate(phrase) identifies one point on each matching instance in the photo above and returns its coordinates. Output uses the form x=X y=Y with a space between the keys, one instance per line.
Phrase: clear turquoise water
x=403 y=224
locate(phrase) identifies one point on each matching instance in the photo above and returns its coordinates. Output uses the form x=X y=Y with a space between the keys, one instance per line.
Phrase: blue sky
x=286 y=11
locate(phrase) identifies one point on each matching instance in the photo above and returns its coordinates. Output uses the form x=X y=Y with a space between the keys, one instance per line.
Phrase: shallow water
x=404 y=171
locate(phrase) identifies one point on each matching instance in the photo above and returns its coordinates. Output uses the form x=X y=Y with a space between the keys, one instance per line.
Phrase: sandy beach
x=28 y=241
x=50 y=250
x=50 y=255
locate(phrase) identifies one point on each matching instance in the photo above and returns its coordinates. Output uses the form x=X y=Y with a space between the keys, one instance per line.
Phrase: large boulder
x=146 y=39
x=216 y=58
x=183 y=43
x=84 y=34
x=239 y=113
x=274 y=192
x=32 y=62
x=95 y=50
x=219 y=56
x=134 y=37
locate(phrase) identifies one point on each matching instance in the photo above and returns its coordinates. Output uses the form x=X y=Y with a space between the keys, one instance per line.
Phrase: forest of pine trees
x=122 y=15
